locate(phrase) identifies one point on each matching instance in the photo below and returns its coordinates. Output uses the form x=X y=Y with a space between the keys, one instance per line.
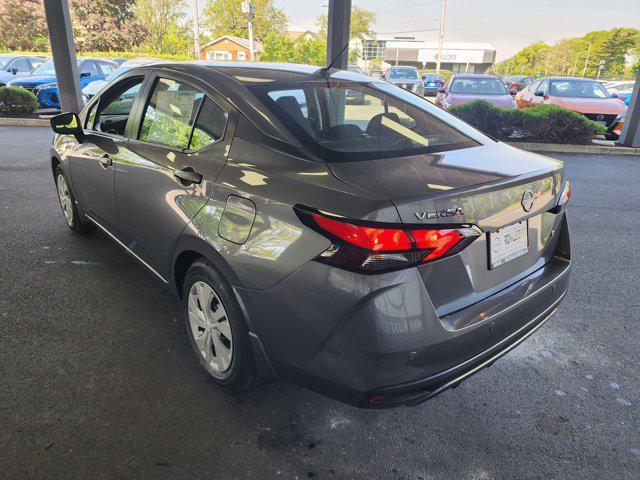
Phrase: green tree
x=279 y=48
x=23 y=25
x=361 y=21
x=161 y=20
x=105 y=25
x=225 y=17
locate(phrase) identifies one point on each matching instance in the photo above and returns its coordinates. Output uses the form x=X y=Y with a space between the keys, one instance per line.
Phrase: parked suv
x=376 y=253
x=405 y=77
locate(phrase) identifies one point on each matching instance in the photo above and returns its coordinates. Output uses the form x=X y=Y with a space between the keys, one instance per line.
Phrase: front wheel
x=68 y=204
x=216 y=328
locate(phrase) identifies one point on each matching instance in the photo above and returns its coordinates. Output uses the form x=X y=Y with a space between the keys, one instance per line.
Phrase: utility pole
x=584 y=70
x=441 y=38
x=247 y=9
x=196 y=29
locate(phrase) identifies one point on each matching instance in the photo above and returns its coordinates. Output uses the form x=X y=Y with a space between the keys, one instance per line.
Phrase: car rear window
x=409 y=73
x=342 y=121
x=478 y=86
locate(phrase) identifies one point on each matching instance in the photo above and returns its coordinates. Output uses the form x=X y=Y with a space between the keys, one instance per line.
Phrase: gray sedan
x=15 y=66
x=377 y=253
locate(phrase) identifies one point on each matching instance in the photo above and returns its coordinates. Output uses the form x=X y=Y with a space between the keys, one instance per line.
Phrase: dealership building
x=456 y=56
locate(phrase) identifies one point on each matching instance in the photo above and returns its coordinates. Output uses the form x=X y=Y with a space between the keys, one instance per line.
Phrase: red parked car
x=581 y=95
x=465 y=88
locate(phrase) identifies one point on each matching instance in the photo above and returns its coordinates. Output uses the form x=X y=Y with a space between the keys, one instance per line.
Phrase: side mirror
x=85 y=74
x=539 y=93
x=67 y=123
x=614 y=95
x=513 y=92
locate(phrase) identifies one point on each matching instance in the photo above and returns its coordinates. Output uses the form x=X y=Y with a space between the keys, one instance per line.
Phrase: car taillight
x=440 y=83
x=371 y=247
x=515 y=85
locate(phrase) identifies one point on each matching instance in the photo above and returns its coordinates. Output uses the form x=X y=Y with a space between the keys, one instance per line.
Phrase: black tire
x=241 y=373
x=77 y=223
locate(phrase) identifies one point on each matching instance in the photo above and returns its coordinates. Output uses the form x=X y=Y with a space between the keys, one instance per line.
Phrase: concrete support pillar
x=64 y=54
x=338 y=28
x=630 y=136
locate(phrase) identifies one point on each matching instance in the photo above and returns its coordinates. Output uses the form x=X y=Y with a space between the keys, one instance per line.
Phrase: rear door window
x=89 y=68
x=179 y=115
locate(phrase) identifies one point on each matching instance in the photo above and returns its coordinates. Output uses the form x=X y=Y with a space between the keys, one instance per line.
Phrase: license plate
x=508 y=243
x=431 y=84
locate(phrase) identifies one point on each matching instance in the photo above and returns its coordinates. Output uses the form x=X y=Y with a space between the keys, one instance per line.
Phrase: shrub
x=540 y=124
x=495 y=122
x=555 y=124
x=16 y=101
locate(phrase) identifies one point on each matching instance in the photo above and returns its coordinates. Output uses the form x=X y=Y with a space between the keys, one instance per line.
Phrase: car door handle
x=105 y=160
x=188 y=176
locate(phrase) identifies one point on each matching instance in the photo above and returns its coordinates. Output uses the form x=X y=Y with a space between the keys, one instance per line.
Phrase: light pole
x=196 y=29
x=443 y=11
x=586 y=61
x=575 y=64
x=247 y=9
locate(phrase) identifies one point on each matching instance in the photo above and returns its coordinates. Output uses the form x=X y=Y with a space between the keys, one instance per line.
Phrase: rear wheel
x=68 y=204
x=216 y=328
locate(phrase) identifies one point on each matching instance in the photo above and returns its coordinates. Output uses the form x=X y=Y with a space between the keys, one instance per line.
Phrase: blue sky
x=508 y=25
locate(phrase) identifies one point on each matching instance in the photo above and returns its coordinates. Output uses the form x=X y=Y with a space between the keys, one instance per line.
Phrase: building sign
x=451 y=56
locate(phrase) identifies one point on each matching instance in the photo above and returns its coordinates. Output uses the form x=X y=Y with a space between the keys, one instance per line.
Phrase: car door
x=540 y=93
x=92 y=164
x=177 y=149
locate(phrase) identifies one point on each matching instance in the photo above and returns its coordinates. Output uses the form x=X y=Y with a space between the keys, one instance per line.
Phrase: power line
x=411 y=31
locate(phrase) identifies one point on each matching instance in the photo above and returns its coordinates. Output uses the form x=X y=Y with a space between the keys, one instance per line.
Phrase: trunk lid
x=483 y=186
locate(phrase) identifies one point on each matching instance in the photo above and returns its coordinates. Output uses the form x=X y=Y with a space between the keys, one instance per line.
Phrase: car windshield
x=4 y=60
x=388 y=122
x=47 y=68
x=578 y=89
x=399 y=73
x=432 y=77
x=478 y=86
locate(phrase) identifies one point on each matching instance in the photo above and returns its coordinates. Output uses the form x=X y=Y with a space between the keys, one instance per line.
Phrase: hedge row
x=539 y=124
x=161 y=56
x=16 y=101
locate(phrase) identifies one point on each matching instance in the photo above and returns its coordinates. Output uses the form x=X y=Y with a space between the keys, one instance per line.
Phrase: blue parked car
x=43 y=83
x=625 y=96
x=429 y=84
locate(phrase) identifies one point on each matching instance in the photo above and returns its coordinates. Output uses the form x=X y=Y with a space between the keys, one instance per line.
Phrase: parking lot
x=98 y=380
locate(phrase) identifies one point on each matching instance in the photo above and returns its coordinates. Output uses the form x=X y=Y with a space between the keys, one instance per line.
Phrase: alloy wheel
x=65 y=199
x=210 y=327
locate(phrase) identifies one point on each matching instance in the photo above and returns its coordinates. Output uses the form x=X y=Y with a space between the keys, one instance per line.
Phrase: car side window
x=107 y=68
x=543 y=87
x=210 y=124
x=170 y=113
x=534 y=86
x=89 y=67
x=20 y=64
x=36 y=62
x=111 y=113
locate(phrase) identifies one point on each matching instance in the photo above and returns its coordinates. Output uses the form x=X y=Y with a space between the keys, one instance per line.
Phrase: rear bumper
x=377 y=341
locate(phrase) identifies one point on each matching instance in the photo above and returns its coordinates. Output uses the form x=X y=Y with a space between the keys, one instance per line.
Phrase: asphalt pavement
x=97 y=379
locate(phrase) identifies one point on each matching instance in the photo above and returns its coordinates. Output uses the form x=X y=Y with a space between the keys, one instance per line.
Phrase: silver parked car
x=14 y=66
x=377 y=253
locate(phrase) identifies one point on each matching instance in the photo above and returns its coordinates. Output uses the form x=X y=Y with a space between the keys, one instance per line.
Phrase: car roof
x=403 y=66
x=475 y=75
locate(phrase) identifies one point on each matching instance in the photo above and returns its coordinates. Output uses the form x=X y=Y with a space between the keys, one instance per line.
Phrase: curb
x=24 y=122
x=560 y=148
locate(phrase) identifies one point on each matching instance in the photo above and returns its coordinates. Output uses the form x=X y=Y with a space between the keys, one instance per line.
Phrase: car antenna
x=324 y=70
